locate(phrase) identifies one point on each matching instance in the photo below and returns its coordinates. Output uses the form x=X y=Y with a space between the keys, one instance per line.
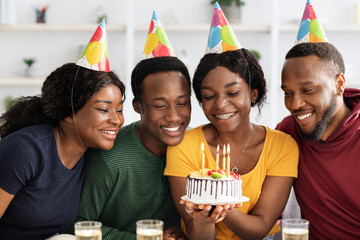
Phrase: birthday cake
x=215 y=188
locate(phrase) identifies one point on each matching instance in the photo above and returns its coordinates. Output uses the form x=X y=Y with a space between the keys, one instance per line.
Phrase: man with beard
x=325 y=122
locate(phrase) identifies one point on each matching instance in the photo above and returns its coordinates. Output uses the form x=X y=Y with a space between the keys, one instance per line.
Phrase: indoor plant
x=29 y=62
x=228 y=2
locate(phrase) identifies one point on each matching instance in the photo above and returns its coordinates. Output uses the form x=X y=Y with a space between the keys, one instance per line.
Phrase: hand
x=208 y=213
x=174 y=233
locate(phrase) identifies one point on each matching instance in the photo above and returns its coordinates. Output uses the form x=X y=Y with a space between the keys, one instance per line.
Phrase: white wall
x=52 y=49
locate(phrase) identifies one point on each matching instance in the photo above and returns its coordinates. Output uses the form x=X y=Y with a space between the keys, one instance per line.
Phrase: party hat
x=310 y=28
x=157 y=43
x=96 y=56
x=221 y=36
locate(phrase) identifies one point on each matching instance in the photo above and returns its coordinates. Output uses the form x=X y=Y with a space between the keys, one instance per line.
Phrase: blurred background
x=38 y=36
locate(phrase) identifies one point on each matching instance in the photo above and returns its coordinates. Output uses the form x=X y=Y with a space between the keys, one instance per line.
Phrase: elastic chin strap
x=72 y=107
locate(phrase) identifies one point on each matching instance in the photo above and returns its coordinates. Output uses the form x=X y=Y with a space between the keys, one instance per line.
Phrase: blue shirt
x=47 y=194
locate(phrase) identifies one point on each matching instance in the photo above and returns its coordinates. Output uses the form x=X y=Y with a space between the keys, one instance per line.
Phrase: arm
x=5 y=199
x=199 y=222
x=258 y=223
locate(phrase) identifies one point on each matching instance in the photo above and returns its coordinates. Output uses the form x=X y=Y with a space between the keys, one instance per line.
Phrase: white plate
x=243 y=199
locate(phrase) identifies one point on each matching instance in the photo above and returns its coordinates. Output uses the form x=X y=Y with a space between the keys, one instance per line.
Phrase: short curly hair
x=155 y=65
x=327 y=53
x=241 y=62
x=68 y=83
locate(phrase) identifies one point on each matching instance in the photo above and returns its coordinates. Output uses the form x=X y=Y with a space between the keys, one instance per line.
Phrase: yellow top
x=279 y=157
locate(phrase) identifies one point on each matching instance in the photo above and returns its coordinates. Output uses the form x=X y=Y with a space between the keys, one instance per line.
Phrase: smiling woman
x=227 y=85
x=43 y=140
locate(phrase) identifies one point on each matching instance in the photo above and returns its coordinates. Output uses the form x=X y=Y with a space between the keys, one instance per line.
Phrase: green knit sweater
x=123 y=185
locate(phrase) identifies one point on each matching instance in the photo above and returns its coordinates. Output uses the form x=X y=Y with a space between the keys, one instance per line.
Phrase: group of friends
x=65 y=155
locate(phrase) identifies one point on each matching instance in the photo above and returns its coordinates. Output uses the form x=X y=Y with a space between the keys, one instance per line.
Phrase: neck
x=151 y=143
x=236 y=137
x=70 y=151
x=340 y=114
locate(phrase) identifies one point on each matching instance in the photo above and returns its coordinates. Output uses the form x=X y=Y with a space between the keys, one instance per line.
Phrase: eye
x=308 y=90
x=287 y=94
x=102 y=110
x=182 y=103
x=234 y=93
x=120 y=110
x=209 y=97
x=159 y=106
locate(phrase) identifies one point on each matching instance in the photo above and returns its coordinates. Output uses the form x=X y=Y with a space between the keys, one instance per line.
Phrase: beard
x=321 y=126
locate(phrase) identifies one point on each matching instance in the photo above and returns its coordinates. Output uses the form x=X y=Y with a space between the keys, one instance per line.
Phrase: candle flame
x=228 y=149
x=218 y=148
x=202 y=146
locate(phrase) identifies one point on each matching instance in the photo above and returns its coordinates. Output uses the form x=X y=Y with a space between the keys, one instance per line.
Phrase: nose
x=296 y=102
x=173 y=115
x=221 y=101
x=116 y=118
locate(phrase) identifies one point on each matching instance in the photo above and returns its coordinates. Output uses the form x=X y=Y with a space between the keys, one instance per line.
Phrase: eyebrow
x=226 y=85
x=103 y=101
x=301 y=84
x=163 y=99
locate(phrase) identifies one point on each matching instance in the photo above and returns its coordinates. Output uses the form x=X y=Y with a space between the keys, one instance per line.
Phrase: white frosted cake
x=214 y=188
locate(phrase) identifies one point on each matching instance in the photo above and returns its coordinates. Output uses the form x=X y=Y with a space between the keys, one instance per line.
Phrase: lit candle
x=228 y=160
x=224 y=153
x=202 y=159
x=217 y=157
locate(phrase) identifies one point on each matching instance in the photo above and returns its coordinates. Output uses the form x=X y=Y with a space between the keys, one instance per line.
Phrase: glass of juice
x=149 y=229
x=295 y=229
x=88 y=230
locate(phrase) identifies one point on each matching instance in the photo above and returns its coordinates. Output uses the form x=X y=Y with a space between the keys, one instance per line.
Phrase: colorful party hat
x=310 y=28
x=96 y=56
x=221 y=36
x=157 y=43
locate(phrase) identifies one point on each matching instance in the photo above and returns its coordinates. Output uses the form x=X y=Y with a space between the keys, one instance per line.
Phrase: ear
x=136 y=106
x=254 y=96
x=340 y=84
x=69 y=120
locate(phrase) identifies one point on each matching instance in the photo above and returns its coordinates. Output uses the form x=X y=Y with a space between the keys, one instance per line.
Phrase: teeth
x=225 y=116
x=302 y=117
x=109 y=132
x=173 y=129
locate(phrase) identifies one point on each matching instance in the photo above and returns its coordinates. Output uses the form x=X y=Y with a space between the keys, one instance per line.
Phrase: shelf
x=206 y=27
x=169 y=28
x=21 y=81
x=327 y=28
x=59 y=28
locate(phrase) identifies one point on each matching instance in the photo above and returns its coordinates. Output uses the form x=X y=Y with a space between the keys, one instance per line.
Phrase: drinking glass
x=295 y=229
x=149 y=229
x=88 y=230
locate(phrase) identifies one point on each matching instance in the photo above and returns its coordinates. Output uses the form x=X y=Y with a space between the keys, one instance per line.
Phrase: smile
x=225 y=116
x=302 y=117
x=172 y=129
x=109 y=132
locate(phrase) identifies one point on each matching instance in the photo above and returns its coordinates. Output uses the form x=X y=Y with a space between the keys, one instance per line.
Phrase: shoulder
x=193 y=134
x=287 y=124
x=279 y=138
x=281 y=154
x=34 y=133
x=29 y=140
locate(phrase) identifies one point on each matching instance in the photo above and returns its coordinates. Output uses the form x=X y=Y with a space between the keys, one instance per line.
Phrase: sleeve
x=97 y=187
x=20 y=159
x=180 y=159
x=286 y=158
